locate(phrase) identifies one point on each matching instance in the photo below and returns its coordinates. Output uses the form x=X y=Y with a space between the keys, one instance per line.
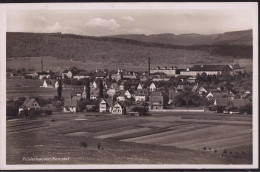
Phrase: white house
x=47 y=84
x=152 y=87
x=128 y=94
x=56 y=84
x=202 y=91
x=106 y=105
x=94 y=85
x=140 y=86
x=70 y=106
x=121 y=98
x=118 y=109
x=209 y=96
x=141 y=95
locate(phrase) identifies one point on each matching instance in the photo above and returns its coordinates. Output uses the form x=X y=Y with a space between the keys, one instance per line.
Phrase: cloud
x=128 y=18
x=99 y=22
x=55 y=28
x=41 y=18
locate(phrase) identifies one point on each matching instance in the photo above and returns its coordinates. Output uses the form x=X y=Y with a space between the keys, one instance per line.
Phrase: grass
x=178 y=144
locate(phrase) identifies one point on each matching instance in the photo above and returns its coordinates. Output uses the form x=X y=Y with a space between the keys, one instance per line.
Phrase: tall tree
x=87 y=88
x=100 y=88
x=59 y=89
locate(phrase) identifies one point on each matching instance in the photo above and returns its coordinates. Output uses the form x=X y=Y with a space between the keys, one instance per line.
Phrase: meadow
x=163 y=138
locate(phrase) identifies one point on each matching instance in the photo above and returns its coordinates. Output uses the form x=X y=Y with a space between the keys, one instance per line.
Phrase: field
x=56 y=64
x=19 y=87
x=163 y=138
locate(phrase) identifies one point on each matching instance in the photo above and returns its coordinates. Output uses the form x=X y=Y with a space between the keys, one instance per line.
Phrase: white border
x=253 y=6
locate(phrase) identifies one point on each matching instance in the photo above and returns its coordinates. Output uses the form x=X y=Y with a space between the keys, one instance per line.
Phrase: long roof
x=209 y=67
x=70 y=103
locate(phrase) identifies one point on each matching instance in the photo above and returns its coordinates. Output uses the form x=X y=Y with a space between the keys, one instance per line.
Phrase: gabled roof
x=119 y=104
x=77 y=98
x=240 y=102
x=83 y=74
x=70 y=103
x=43 y=73
x=222 y=101
x=76 y=90
x=222 y=95
x=156 y=93
x=209 y=67
x=28 y=103
x=142 y=92
x=100 y=74
x=109 y=101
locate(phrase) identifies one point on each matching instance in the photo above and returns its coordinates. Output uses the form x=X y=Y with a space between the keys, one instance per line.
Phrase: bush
x=83 y=144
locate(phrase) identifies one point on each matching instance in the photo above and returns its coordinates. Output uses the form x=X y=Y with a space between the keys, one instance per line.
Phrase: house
x=69 y=73
x=156 y=101
x=118 y=109
x=94 y=85
x=209 y=96
x=172 y=95
x=170 y=71
x=56 y=85
x=129 y=75
x=129 y=94
x=124 y=85
x=94 y=93
x=114 y=86
x=246 y=94
x=80 y=75
x=44 y=75
x=29 y=103
x=223 y=104
x=208 y=69
x=191 y=79
x=152 y=87
x=141 y=95
x=238 y=103
x=121 y=96
x=140 y=86
x=106 y=105
x=70 y=105
x=214 y=95
x=100 y=75
x=202 y=91
x=47 y=84
x=117 y=76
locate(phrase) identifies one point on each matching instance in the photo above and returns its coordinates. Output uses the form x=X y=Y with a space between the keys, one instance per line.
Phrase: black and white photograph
x=129 y=85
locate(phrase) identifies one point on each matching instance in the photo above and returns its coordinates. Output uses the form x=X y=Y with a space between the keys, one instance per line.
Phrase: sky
x=96 y=22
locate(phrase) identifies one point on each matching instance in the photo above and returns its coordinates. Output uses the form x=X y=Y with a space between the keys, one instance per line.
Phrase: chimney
x=41 y=65
x=149 y=66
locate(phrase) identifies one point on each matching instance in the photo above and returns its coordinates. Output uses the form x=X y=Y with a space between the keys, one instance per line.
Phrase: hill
x=227 y=38
x=110 y=50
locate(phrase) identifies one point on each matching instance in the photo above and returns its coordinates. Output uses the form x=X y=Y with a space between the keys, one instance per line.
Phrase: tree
x=101 y=89
x=87 y=88
x=59 y=89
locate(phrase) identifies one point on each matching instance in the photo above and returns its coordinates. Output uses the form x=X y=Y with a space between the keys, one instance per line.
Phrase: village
x=199 y=88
